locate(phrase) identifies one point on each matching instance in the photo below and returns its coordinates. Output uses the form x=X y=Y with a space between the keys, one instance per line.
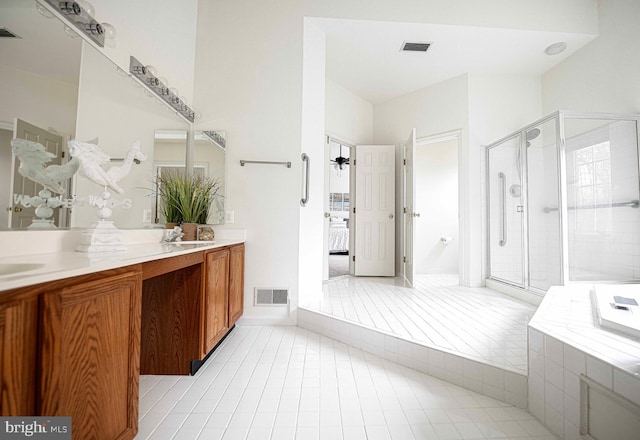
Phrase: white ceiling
x=364 y=56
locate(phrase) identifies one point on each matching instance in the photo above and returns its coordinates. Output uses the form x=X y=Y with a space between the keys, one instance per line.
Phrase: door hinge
x=404 y=210
x=62 y=155
x=354 y=210
x=354 y=162
x=353 y=258
x=404 y=259
x=404 y=161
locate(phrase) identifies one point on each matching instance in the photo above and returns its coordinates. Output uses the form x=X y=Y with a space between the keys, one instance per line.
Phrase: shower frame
x=559 y=117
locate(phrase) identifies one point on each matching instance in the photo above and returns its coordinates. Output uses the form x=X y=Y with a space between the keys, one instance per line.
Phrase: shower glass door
x=543 y=202
x=603 y=199
x=504 y=181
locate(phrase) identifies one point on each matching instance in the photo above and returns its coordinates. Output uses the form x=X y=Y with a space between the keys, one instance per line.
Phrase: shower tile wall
x=602 y=168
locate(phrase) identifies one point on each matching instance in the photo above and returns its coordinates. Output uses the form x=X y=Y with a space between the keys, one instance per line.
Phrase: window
x=593 y=187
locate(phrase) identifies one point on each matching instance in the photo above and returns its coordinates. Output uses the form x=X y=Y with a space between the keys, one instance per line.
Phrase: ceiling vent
x=409 y=46
x=6 y=33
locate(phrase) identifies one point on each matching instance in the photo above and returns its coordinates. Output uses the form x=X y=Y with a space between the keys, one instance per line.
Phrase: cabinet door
x=236 y=283
x=90 y=354
x=18 y=336
x=216 y=294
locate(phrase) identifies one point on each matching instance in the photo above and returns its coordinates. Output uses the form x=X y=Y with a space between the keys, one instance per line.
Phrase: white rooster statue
x=92 y=160
x=33 y=157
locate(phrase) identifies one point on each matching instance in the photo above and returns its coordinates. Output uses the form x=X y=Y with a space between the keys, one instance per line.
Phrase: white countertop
x=66 y=264
x=566 y=313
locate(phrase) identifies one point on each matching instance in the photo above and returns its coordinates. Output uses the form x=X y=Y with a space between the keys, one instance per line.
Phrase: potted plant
x=168 y=185
x=189 y=198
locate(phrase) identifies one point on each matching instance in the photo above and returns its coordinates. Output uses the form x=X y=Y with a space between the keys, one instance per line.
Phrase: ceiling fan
x=340 y=161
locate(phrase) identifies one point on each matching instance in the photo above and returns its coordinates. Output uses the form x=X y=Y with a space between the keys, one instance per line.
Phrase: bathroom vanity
x=76 y=332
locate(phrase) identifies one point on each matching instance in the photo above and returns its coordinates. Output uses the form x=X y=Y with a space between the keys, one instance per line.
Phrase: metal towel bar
x=242 y=162
x=629 y=204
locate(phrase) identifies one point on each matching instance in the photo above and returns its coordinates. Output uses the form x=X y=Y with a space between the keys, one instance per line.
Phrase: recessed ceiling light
x=412 y=46
x=556 y=48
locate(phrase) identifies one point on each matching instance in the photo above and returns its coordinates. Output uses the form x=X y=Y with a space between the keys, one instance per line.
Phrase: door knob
x=416 y=214
x=327 y=215
x=390 y=215
x=17 y=209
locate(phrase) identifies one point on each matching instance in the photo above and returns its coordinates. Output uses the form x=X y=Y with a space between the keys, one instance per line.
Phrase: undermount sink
x=13 y=268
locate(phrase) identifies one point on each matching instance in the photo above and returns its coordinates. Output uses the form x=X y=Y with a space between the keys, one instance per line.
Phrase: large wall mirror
x=65 y=87
x=208 y=161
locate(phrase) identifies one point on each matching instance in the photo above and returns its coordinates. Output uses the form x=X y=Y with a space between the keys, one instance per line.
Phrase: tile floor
x=479 y=323
x=289 y=383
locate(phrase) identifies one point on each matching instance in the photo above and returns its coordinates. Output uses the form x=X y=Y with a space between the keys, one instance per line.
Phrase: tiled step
x=489 y=380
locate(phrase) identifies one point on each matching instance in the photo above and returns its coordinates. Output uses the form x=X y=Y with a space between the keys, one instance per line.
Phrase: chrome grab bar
x=503 y=205
x=243 y=162
x=630 y=204
x=304 y=200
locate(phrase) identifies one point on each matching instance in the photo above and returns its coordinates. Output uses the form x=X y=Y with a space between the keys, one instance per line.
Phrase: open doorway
x=431 y=206
x=436 y=238
x=339 y=206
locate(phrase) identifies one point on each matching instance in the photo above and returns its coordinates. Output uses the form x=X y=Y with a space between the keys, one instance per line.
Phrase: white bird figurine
x=33 y=156
x=92 y=160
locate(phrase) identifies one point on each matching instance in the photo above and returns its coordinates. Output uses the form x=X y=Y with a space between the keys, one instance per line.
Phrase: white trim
x=6 y=125
x=261 y=321
x=440 y=137
x=515 y=292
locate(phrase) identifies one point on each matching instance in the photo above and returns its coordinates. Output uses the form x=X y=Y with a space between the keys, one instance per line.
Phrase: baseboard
x=515 y=292
x=262 y=321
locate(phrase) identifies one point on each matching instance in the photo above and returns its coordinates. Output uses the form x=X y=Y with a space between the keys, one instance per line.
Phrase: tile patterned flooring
x=478 y=323
x=285 y=383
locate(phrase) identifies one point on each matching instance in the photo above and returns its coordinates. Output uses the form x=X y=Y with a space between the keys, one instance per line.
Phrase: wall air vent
x=6 y=33
x=271 y=297
x=409 y=46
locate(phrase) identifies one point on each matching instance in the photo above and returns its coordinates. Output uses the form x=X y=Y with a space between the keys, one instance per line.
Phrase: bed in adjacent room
x=338 y=235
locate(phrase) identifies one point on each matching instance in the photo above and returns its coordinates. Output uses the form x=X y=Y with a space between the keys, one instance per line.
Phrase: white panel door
x=375 y=210
x=409 y=206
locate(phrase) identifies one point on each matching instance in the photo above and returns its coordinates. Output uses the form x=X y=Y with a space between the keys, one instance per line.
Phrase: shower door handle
x=503 y=207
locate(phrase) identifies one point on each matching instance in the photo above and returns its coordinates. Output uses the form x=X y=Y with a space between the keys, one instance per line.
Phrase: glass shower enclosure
x=563 y=202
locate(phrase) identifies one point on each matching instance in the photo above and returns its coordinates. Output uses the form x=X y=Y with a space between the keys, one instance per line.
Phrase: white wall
x=436 y=180
x=249 y=81
x=162 y=35
x=42 y=101
x=603 y=75
x=437 y=109
x=348 y=117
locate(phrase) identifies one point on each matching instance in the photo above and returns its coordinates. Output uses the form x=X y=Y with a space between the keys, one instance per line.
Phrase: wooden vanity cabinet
x=236 y=283
x=215 y=317
x=223 y=295
x=171 y=308
x=89 y=353
x=18 y=339
x=75 y=346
